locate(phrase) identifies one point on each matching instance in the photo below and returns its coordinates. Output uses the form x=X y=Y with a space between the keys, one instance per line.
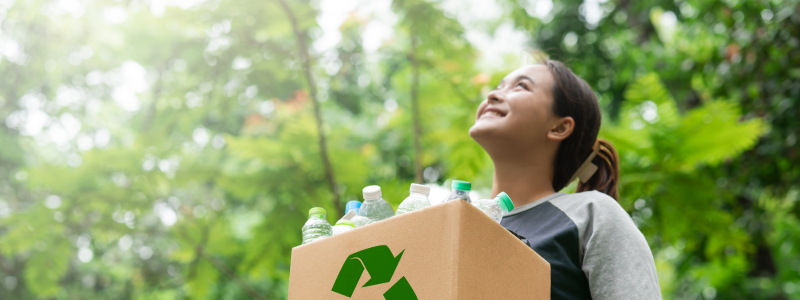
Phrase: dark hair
x=572 y=97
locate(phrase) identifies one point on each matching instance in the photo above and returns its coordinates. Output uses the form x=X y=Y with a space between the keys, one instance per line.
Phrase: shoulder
x=594 y=205
x=599 y=218
x=614 y=254
x=588 y=197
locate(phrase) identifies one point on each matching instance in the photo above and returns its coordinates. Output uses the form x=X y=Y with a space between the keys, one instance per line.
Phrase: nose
x=496 y=97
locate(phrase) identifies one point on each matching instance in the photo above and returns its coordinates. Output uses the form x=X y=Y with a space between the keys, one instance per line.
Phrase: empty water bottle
x=496 y=207
x=417 y=200
x=460 y=191
x=342 y=226
x=374 y=207
x=317 y=227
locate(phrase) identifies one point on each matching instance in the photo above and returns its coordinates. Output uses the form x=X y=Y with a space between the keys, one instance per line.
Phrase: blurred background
x=171 y=149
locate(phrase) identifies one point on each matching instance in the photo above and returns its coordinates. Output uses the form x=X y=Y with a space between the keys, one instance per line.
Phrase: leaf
x=201 y=279
x=712 y=133
x=647 y=88
x=184 y=255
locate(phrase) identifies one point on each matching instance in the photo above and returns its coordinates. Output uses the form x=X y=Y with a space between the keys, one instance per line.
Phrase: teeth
x=491 y=113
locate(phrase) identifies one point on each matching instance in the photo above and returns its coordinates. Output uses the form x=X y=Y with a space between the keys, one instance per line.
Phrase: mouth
x=492 y=113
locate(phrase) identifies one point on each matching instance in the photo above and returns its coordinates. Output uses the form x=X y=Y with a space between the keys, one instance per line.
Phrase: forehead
x=539 y=73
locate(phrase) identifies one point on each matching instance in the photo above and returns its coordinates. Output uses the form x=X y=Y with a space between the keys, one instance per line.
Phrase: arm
x=614 y=254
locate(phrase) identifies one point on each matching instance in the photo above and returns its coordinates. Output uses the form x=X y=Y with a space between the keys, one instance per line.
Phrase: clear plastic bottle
x=417 y=200
x=342 y=226
x=460 y=191
x=357 y=220
x=374 y=207
x=496 y=207
x=317 y=227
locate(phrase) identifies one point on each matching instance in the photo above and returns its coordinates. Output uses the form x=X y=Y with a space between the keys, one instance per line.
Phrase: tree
x=431 y=39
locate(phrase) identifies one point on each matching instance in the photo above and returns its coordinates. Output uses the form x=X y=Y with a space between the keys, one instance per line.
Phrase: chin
x=482 y=130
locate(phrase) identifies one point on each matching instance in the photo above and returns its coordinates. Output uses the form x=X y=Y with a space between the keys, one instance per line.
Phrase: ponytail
x=606 y=178
x=573 y=97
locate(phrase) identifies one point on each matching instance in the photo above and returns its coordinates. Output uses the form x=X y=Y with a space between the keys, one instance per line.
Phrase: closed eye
x=523 y=85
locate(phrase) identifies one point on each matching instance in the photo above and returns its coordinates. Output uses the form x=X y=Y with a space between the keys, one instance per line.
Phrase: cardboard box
x=447 y=251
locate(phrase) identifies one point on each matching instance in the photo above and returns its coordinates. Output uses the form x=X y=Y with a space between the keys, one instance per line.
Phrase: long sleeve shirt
x=594 y=249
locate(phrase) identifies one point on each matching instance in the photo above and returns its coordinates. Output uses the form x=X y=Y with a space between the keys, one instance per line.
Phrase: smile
x=492 y=113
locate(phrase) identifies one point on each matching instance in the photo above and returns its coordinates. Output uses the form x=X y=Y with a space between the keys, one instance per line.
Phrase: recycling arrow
x=401 y=290
x=380 y=263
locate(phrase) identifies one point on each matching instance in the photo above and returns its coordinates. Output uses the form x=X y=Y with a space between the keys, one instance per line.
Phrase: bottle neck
x=415 y=194
x=317 y=216
x=502 y=207
x=372 y=200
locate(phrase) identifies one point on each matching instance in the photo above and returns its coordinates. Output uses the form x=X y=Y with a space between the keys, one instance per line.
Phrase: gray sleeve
x=614 y=254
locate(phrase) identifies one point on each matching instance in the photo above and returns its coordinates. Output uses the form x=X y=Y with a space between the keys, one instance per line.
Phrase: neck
x=525 y=178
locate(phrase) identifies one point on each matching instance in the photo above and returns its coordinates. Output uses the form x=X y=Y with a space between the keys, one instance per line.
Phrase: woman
x=540 y=128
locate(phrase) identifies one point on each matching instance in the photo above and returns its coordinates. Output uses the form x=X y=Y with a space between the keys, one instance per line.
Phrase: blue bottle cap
x=352 y=205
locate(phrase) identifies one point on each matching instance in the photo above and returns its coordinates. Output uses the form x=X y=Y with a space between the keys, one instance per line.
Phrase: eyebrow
x=520 y=77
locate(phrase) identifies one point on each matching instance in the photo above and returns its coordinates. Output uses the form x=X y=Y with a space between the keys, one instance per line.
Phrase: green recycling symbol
x=380 y=264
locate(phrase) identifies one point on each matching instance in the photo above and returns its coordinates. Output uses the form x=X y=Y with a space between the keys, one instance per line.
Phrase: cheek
x=480 y=108
x=532 y=115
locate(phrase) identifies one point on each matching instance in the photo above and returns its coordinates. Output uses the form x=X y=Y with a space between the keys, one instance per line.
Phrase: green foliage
x=201 y=278
x=712 y=133
x=661 y=183
x=45 y=268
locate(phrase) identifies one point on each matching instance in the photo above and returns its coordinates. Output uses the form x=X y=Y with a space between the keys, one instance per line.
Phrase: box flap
x=494 y=264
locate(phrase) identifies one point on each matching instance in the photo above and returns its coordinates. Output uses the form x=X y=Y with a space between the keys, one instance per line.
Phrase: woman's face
x=519 y=111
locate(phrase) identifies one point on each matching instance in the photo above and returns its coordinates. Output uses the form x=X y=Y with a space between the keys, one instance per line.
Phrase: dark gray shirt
x=594 y=249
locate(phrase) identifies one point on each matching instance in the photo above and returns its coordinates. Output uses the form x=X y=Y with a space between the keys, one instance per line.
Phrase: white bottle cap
x=349 y=215
x=372 y=192
x=421 y=189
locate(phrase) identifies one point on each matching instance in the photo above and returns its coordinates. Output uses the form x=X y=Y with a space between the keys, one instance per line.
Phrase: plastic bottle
x=342 y=226
x=357 y=220
x=496 y=207
x=317 y=227
x=460 y=191
x=374 y=207
x=417 y=200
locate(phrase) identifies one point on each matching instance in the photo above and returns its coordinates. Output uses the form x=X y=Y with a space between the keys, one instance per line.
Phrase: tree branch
x=200 y=252
x=222 y=267
x=415 y=107
x=312 y=88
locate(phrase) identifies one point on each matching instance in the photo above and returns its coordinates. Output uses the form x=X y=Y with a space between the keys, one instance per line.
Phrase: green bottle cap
x=505 y=201
x=461 y=185
x=316 y=210
x=346 y=222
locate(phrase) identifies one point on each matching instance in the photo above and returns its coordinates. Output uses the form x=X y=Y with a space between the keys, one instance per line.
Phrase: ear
x=562 y=129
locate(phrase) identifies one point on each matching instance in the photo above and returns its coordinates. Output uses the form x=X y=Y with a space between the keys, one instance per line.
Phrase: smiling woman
x=540 y=128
